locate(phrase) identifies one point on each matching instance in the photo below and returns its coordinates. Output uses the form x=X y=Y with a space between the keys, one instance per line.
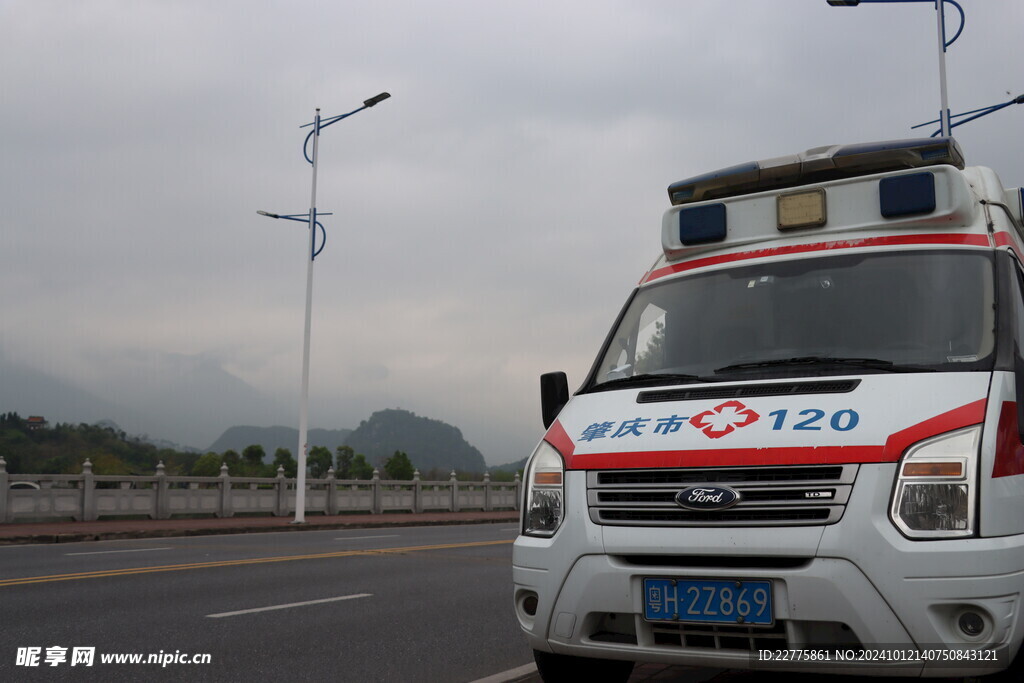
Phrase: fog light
x=530 y=605
x=971 y=624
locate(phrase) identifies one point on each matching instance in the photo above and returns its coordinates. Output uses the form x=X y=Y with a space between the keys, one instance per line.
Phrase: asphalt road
x=417 y=604
x=397 y=604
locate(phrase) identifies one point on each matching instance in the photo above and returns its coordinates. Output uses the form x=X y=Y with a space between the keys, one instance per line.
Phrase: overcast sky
x=489 y=219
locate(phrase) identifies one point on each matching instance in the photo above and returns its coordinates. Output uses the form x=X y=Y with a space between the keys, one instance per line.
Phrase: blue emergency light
x=816 y=165
x=906 y=195
x=702 y=224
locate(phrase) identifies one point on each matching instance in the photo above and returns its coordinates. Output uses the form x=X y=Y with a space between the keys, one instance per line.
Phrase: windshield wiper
x=873 y=363
x=655 y=378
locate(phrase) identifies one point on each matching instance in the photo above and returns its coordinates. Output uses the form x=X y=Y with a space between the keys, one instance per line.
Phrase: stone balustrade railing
x=88 y=496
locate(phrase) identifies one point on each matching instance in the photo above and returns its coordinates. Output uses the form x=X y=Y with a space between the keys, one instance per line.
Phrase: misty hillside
x=272 y=438
x=33 y=392
x=517 y=466
x=164 y=397
x=428 y=443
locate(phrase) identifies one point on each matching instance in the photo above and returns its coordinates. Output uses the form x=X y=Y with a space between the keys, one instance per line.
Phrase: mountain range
x=430 y=444
x=272 y=438
x=190 y=398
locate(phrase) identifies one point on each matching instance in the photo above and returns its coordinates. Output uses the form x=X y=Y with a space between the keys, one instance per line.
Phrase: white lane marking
x=289 y=605
x=510 y=528
x=510 y=675
x=361 y=538
x=107 y=552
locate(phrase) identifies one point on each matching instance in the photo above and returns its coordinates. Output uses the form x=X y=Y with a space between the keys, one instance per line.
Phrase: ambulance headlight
x=936 y=486
x=544 y=509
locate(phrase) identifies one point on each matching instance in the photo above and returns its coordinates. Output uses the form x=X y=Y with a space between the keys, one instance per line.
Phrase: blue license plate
x=707 y=601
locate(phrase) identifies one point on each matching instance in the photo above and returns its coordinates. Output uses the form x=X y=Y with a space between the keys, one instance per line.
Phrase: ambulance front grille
x=746 y=638
x=768 y=496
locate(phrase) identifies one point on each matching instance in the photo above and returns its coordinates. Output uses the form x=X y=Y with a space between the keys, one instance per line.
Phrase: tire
x=1011 y=674
x=555 y=668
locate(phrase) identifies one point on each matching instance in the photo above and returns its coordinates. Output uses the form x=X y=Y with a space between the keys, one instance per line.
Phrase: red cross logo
x=724 y=419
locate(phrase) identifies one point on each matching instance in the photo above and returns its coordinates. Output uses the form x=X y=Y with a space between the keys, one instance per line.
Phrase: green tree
x=435 y=474
x=105 y=463
x=398 y=466
x=252 y=457
x=319 y=461
x=283 y=458
x=234 y=462
x=360 y=468
x=61 y=449
x=207 y=466
x=12 y=420
x=175 y=463
x=343 y=469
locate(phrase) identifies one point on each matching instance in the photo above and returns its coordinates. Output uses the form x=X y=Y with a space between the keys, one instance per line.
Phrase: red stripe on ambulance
x=1009 y=450
x=964 y=416
x=891 y=241
x=557 y=437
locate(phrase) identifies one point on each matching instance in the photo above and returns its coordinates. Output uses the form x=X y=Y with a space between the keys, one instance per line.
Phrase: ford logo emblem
x=707 y=498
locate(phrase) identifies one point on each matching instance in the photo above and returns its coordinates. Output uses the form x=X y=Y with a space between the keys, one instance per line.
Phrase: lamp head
x=375 y=99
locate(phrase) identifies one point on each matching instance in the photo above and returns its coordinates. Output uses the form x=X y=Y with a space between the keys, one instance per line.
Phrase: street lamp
x=311 y=220
x=978 y=113
x=303 y=218
x=940 y=13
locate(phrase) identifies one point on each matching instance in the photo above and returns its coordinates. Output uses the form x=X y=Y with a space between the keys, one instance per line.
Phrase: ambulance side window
x=1018 y=345
x=1018 y=313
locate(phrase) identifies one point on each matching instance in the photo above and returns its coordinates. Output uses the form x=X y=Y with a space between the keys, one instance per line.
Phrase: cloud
x=489 y=219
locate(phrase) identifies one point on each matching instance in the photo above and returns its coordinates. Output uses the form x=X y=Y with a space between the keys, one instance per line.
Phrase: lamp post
x=311 y=220
x=940 y=14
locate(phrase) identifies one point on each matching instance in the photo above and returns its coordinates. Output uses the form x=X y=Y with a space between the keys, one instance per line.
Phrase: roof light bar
x=816 y=165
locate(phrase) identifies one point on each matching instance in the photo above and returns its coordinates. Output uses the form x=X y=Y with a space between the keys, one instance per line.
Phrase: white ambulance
x=800 y=447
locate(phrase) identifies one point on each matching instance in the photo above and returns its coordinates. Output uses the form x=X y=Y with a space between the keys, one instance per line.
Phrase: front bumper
x=855 y=584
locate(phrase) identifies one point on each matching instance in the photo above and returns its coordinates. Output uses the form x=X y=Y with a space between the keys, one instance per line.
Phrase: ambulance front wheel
x=1013 y=674
x=564 y=668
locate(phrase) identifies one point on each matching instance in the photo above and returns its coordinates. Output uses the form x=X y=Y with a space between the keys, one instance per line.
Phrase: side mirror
x=554 y=394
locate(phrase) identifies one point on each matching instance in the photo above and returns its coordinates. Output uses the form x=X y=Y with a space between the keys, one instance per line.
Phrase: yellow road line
x=234 y=563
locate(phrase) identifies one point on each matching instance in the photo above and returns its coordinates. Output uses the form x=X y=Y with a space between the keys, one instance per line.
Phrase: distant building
x=35 y=422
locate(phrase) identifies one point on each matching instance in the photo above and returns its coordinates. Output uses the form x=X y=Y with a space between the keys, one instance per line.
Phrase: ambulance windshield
x=848 y=314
